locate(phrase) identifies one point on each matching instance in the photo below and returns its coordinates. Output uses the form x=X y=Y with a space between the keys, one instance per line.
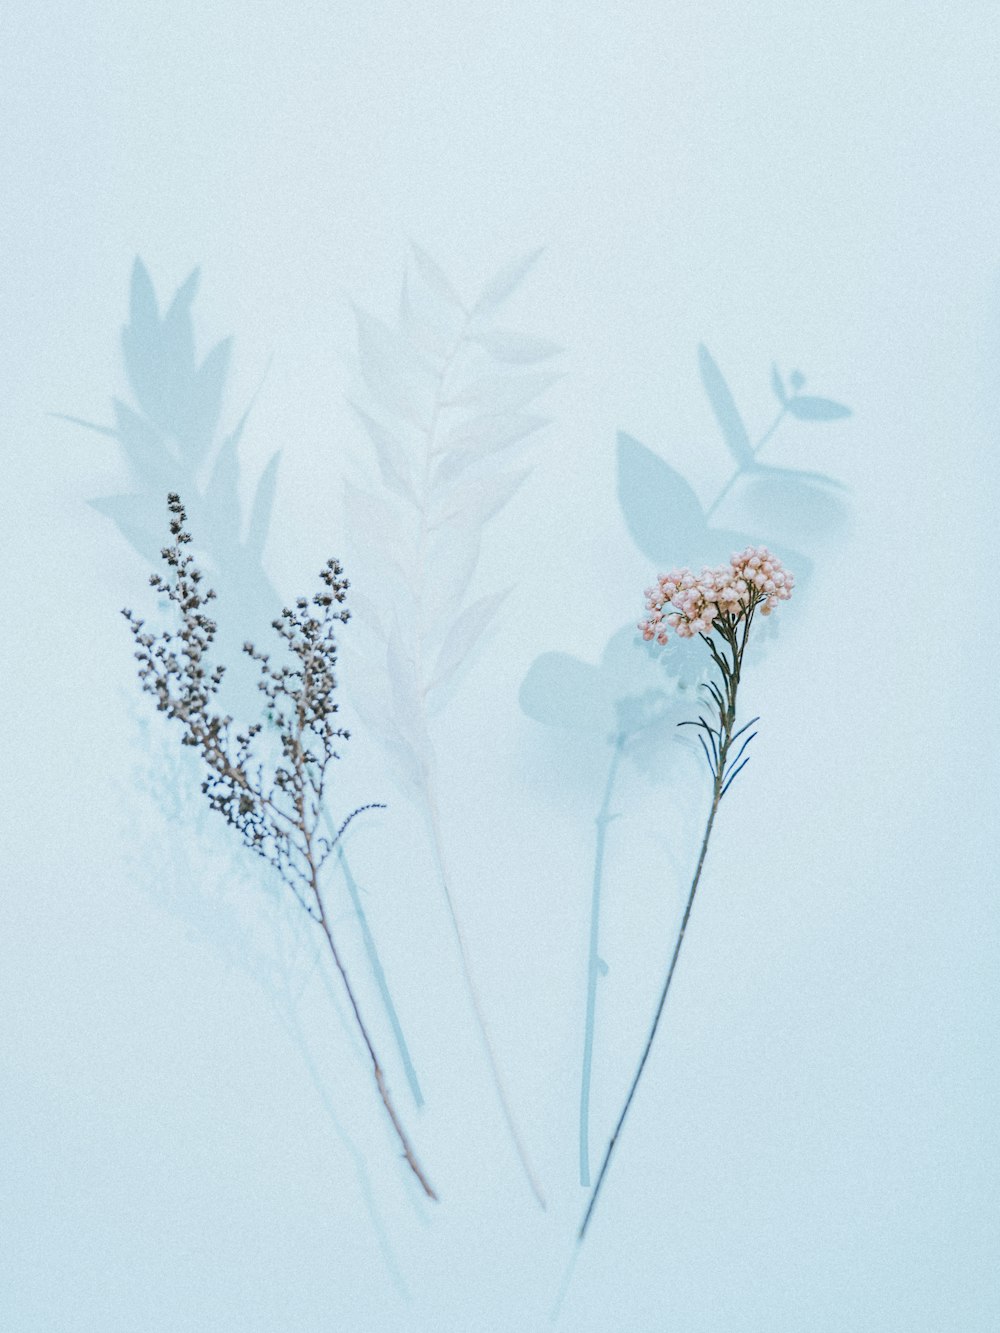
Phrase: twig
x=278 y=820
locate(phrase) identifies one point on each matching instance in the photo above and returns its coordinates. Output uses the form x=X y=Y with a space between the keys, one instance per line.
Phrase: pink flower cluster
x=753 y=578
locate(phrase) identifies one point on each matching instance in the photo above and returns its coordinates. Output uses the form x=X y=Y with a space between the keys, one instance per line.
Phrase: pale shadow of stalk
x=257 y=932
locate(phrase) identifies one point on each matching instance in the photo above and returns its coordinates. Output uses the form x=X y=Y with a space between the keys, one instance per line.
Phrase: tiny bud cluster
x=717 y=598
x=277 y=818
x=277 y=815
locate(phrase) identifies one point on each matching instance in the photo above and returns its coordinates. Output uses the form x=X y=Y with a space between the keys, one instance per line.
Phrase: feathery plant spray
x=275 y=802
x=445 y=394
x=718 y=606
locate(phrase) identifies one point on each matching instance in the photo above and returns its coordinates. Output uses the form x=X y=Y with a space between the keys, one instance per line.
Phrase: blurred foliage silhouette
x=169 y=438
x=442 y=401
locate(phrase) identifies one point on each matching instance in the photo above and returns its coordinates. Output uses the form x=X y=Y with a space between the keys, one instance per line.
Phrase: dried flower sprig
x=275 y=807
x=718 y=605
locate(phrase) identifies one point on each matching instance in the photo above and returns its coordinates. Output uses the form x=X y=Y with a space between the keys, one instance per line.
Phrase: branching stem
x=743 y=467
x=378 y=970
x=380 y=1082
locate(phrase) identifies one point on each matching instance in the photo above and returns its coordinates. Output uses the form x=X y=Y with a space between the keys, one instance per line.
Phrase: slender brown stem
x=380 y=1082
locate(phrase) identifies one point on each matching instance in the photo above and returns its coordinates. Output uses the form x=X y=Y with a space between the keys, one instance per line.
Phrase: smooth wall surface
x=192 y=1138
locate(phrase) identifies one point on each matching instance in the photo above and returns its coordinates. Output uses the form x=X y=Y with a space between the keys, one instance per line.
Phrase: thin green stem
x=656 y=1022
x=593 y=966
x=730 y=672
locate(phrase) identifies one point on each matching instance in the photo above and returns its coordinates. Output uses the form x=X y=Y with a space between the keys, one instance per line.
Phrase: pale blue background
x=815 y=1145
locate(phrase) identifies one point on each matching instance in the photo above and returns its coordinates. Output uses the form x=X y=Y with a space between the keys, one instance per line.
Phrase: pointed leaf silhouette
x=222 y=501
x=140 y=341
x=491 y=430
x=384 y=352
x=178 y=331
x=817 y=409
x=180 y=306
x=391 y=453
x=663 y=513
x=435 y=280
x=144 y=313
x=484 y=436
x=792 y=508
x=454 y=554
x=198 y=417
x=365 y=616
x=463 y=636
x=159 y=360
x=661 y=510
x=374 y=517
x=237 y=432
x=431 y=315
x=516 y=347
x=263 y=503
x=144 y=448
x=137 y=518
x=503 y=285
x=394 y=373
x=504 y=393
x=95 y=426
x=731 y=423
x=476 y=502
x=777 y=384
x=562 y=691
x=407 y=710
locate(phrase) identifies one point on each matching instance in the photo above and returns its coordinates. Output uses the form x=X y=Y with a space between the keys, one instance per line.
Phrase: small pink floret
x=754 y=578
